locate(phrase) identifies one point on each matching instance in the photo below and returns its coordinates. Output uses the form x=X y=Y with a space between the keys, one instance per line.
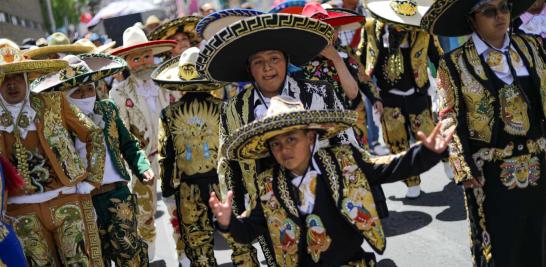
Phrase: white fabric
x=148 y=90
x=260 y=109
x=502 y=71
x=84 y=188
x=42 y=197
x=14 y=110
x=402 y=93
x=307 y=186
x=110 y=173
x=404 y=43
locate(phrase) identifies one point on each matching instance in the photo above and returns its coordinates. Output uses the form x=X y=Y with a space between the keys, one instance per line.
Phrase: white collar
x=284 y=91
x=482 y=47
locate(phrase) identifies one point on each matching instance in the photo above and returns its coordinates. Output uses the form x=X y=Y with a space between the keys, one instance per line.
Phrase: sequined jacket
x=123 y=147
x=470 y=101
x=188 y=140
x=348 y=173
x=56 y=121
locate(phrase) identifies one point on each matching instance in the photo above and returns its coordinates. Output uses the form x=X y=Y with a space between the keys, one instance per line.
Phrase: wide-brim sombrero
x=250 y=141
x=22 y=65
x=213 y=23
x=167 y=76
x=100 y=65
x=289 y=7
x=45 y=51
x=167 y=30
x=450 y=17
x=158 y=47
x=225 y=57
x=343 y=19
x=382 y=10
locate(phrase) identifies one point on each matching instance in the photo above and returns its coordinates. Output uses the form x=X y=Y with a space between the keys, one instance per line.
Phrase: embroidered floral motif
x=129 y=103
x=318 y=240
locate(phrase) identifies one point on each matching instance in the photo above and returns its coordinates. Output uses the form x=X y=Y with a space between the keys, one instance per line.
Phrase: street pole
x=50 y=15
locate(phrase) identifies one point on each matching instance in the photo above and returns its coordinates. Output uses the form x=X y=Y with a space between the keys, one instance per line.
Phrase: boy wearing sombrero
x=140 y=102
x=258 y=50
x=114 y=204
x=395 y=51
x=492 y=89
x=36 y=132
x=315 y=204
x=189 y=156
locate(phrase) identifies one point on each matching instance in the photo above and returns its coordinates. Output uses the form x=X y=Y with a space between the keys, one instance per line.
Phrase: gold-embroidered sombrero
x=12 y=61
x=450 y=17
x=405 y=12
x=57 y=43
x=135 y=40
x=185 y=25
x=82 y=69
x=181 y=74
x=225 y=57
x=285 y=114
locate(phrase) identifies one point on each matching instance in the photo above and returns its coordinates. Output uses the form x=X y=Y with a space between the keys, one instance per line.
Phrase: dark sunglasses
x=493 y=11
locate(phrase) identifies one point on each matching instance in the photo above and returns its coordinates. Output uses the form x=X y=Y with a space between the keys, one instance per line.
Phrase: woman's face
x=492 y=20
x=84 y=91
x=292 y=150
x=268 y=68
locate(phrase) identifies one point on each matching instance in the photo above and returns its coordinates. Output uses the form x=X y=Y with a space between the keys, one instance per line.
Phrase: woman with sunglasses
x=493 y=88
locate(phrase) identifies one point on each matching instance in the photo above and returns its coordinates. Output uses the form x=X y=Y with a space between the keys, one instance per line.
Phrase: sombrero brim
x=250 y=141
x=289 y=7
x=43 y=52
x=168 y=30
x=105 y=47
x=158 y=47
x=42 y=66
x=225 y=56
x=344 y=20
x=450 y=17
x=102 y=66
x=213 y=23
x=167 y=77
x=382 y=10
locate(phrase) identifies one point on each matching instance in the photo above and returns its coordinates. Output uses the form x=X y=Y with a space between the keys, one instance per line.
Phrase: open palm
x=437 y=140
x=221 y=210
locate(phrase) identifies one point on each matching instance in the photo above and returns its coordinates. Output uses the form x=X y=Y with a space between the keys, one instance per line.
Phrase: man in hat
x=492 y=90
x=188 y=148
x=140 y=102
x=396 y=52
x=229 y=57
x=315 y=204
x=114 y=204
x=36 y=132
x=58 y=45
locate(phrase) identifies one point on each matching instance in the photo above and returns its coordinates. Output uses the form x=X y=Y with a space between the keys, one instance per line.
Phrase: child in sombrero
x=315 y=204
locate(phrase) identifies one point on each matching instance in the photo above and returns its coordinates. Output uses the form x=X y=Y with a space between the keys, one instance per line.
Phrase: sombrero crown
x=404 y=12
x=181 y=74
x=12 y=61
x=289 y=7
x=285 y=114
x=213 y=23
x=185 y=25
x=57 y=43
x=225 y=57
x=344 y=19
x=135 y=40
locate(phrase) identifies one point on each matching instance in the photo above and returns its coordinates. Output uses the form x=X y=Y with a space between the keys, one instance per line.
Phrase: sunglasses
x=494 y=11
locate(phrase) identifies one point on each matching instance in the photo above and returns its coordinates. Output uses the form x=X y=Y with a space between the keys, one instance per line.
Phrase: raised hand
x=437 y=141
x=222 y=211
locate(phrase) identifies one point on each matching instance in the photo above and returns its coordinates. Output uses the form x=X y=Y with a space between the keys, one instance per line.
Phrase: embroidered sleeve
x=448 y=116
x=166 y=155
x=91 y=135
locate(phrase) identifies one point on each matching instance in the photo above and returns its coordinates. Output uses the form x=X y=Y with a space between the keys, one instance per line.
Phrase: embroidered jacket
x=56 y=121
x=348 y=173
x=470 y=100
x=123 y=147
x=188 y=140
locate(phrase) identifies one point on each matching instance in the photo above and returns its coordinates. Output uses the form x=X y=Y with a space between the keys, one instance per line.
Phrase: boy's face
x=292 y=150
x=14 y=88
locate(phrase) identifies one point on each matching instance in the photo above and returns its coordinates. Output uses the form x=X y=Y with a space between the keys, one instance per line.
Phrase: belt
x=107 y=188
x=402 y=93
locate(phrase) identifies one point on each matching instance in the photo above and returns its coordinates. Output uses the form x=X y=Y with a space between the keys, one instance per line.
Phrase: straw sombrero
x=82 y=69
x=185 y=25
x=342 y=19
x=405 y=12
x=135 y=40
x=289 y=7
x=450 y=17
x=100 y=49
x=285 y=114
x=225 y=57
x=12 y=61
x=213 y=23
x=181 y=74
x=56 y=43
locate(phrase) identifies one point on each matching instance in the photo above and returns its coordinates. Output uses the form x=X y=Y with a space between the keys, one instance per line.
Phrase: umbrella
x=121 y=8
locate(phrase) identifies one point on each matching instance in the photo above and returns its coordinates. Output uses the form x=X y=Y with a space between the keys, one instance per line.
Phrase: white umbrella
x=121 y=8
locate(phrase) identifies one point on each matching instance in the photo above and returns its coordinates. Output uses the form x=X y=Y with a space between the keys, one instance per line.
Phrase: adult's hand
x=437 y=140
x=221 y=210
x=148 y=176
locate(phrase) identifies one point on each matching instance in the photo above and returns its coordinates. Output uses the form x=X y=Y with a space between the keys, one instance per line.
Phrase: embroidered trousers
x=147 y=203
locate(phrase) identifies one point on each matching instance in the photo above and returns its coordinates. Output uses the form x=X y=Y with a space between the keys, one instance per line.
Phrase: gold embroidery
x=30 y=232
x=394 y=127
x=513 y=110
x=520 y=171
x=318 y=240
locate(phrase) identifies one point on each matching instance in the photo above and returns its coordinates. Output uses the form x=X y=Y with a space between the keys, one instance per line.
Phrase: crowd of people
x=263 y=126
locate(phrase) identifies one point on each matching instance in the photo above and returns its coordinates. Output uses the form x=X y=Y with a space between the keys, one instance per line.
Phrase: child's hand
x=222 y=211
x=437 y=141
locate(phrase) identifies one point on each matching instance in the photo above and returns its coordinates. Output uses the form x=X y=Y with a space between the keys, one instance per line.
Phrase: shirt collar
x=482 y=47
x=284 y=91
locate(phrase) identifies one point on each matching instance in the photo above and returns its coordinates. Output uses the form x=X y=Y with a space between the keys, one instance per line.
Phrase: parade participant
x=11 y=251
x=36 y=132
x=58 y=45
x=395 y=52
x=188 y=150
x=140 y=102
x=151 y=23
x=497 y=104
x=315 y=204
x=206 y=9
x=261 y=54
x=114 y=204
x=181 y=30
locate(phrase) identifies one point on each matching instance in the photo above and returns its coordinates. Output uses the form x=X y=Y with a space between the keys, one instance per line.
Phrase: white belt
x=402 y=93
x=41 y=197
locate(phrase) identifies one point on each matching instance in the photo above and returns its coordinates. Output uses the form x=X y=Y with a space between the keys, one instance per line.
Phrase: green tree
x=64 y=8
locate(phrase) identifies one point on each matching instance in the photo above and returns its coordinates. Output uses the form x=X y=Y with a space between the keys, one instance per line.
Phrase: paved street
x=429 y=231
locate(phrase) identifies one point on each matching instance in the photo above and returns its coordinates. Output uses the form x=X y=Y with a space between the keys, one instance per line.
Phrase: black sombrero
x=225 y=57
x=450 y=17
